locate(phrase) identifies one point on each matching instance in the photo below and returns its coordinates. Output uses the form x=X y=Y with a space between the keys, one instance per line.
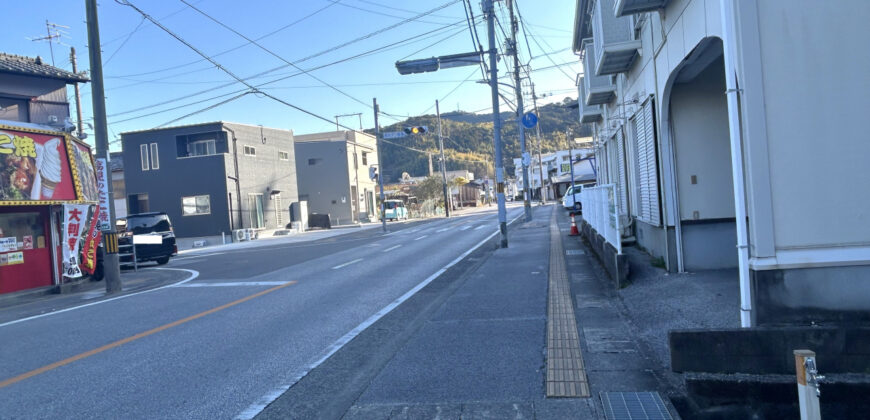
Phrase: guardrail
x=600 y=211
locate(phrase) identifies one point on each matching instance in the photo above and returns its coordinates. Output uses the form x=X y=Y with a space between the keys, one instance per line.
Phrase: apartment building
x=732 y=133
x=333 y=170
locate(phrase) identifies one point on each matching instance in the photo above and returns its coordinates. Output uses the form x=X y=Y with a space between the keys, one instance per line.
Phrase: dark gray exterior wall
x=177 y=178
x=325 y=184
x=263 y=173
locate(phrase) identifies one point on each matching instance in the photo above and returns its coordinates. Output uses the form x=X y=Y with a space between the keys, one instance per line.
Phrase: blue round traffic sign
x=530 y=119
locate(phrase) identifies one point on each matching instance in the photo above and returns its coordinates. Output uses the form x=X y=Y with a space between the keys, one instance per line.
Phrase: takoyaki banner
x=35 y=167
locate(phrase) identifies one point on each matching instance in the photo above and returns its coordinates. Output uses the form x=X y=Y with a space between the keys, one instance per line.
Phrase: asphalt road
x=253 y=321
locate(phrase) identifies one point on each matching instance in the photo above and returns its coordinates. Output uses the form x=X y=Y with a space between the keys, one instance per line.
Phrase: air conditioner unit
x=240 y=235
x=251 y=233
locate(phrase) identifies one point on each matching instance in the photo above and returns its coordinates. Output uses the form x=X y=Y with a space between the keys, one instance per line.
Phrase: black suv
x=158 y=242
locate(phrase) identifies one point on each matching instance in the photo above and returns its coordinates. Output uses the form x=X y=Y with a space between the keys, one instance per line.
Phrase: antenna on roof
x=59 y=31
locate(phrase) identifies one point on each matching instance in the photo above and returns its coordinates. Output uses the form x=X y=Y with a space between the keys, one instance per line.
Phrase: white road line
x=442 y=230
x=347 y=263
x=465 y=227
x=234 y=284
x=193 y=274
x=391 y=248
x=421 y=237
x=197 y=256
x=273 y=395
x=480 y=227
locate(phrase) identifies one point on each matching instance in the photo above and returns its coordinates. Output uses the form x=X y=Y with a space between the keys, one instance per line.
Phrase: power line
x=369 y=52
x=525 y=29
x=333 y=3
x=272 y=53
x=130 y=35
x=451 y=92
x=224 y=69
x=384 y=14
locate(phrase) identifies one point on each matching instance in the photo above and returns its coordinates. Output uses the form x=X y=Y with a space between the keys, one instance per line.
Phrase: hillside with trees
x=468 y=141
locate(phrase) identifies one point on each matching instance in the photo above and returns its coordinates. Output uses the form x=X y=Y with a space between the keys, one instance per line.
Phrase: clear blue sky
x=144 y=66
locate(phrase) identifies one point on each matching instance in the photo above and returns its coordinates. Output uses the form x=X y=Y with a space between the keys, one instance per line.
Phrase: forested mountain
x=468 y=141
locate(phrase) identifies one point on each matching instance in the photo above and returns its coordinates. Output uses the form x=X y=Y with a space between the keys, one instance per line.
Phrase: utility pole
x=527 y=193
x=443 y=162
x=489 y=11
x=380 y=162
x=111 y=265
x=571 y=159
x=538 y=135
x=79 y=123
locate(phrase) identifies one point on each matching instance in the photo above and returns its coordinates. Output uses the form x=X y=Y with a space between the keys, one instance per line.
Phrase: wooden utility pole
x=79 y=122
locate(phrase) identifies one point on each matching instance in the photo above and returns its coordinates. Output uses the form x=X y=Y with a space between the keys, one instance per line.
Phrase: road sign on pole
x=530 y=119
x=394 y=134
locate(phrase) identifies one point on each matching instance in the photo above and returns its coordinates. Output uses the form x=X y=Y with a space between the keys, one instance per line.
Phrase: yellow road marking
x=109 y=346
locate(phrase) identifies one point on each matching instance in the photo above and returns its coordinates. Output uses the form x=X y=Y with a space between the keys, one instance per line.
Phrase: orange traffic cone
x=574 y=231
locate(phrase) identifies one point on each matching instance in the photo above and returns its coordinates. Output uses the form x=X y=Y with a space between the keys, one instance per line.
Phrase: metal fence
x=601 y=211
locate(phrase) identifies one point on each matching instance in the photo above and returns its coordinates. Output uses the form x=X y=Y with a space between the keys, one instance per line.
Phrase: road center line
x=391 y=248
x=442 y=230
x=347 y=263
x=465 y=227
x=131 y=338
x=421 y=237
x=480 y=227
x=234 y=283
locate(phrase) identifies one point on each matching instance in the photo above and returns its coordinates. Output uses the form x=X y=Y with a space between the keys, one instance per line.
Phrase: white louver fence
x=601 y=211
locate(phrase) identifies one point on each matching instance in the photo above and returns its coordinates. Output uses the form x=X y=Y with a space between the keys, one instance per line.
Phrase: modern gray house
x=212 y=178
x=333 y=173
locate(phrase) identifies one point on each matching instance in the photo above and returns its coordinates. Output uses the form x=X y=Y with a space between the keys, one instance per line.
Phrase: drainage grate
x=634 y=406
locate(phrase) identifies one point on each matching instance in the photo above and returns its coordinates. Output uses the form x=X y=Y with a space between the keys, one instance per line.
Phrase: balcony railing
x=600 y=211
x=597 y=89
x=615 y=46
x=631 y=7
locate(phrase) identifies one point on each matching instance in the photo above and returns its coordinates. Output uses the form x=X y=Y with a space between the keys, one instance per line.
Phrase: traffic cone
x=574 y=231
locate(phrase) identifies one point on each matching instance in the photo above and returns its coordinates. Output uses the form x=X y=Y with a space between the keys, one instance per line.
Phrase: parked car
x=395 y=210
x=155 y=236
x=571 y=199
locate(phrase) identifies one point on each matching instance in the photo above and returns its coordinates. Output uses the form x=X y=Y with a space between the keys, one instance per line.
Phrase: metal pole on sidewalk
x=571 y=160
x=443 y=162
x=111 y=265
x=496 y=123
x=380 y=163
x=538 y=135
x=525 y=157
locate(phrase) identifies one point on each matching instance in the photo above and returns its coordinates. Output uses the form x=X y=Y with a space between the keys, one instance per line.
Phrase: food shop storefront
x=47 y=208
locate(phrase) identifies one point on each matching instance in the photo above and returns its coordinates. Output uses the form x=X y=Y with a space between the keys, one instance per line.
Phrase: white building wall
x=816 y=84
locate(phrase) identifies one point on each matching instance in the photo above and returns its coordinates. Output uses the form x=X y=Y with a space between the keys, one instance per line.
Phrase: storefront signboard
x=75 y=218
x=83 y=170
x=34 y=166
x=103 y=189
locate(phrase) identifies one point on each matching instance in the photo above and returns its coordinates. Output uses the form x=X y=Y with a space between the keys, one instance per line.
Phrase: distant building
x=211 y=178
x=333 y=172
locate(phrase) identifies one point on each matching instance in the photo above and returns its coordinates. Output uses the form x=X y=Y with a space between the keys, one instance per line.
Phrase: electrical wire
x=252 y=88
x=272 y=53
x=333 y=3
x=130 y=35
x=363 y=54
x=526 y=30
x=451 y=92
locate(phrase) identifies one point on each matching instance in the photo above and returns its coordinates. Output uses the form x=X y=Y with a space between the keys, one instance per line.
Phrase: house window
x=565 y=158
x=155 y=159
x=284 y=155
x=250 y=151
x=202 y=148
x=143 y=155
x=314 y=161
x=194 y=205
x=365 y=158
